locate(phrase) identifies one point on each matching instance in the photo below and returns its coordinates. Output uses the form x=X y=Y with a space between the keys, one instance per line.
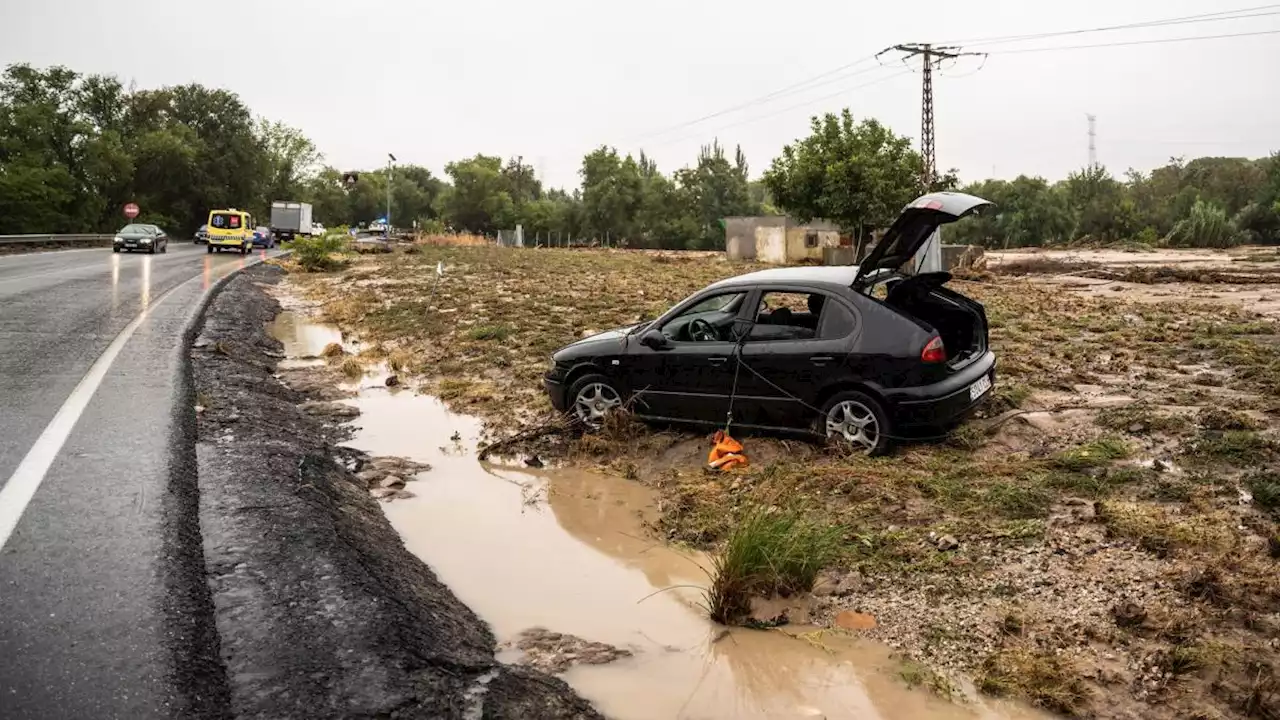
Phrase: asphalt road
x=101 y=580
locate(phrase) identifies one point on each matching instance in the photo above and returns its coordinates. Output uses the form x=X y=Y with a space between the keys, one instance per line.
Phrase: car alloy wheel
x=593 y=402
x=853 y=422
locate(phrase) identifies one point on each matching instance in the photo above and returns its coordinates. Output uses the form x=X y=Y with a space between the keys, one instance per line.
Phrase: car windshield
x=135 y=229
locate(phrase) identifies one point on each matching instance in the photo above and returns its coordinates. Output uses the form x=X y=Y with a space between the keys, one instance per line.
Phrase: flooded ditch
x=545 y=554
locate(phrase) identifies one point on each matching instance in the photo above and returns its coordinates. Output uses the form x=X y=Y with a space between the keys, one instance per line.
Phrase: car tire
x=847 y=417
x=115 y=249
x=590 y=398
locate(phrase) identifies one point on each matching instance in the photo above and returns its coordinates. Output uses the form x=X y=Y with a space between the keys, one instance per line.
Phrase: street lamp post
x=390 y=170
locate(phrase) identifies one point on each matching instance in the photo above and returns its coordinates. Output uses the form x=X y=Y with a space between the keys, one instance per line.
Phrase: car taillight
x=934 y=352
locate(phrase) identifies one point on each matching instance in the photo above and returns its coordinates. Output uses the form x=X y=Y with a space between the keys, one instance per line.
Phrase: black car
x=202 y=235
x=860 y=354
x=140 y=236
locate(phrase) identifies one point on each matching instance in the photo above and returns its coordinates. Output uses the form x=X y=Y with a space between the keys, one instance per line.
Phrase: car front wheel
x=593 y=398
x=857 y=421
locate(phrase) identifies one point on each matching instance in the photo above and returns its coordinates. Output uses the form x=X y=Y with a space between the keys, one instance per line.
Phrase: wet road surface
x=100 y=591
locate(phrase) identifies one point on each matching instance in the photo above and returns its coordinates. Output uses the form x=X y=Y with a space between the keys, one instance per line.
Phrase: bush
x=317 y=254
x=1206 y=226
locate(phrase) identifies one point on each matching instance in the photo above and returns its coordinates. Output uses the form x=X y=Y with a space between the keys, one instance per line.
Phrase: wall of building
x=741 y=235
x=771 y=244
x=797 y=248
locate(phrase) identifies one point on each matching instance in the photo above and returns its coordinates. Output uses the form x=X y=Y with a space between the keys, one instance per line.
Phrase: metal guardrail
x=39 y=239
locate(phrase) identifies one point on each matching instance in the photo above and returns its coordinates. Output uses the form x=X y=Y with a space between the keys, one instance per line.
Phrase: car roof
x=806 y=274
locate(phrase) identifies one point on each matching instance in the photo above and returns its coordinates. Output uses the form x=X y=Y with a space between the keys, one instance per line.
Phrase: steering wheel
x=701 y=331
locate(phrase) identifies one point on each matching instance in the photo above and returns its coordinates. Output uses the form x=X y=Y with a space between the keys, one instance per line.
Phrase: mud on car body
x=861 y=354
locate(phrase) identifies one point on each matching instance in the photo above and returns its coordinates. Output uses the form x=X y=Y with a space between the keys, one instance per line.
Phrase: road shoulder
x=320 y=609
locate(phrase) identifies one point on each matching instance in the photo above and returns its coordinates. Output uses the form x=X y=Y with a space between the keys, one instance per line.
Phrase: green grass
x=1265 y=487
x=1098 y=453
x=767 y=552
x=498 y=332
x=1222 y=420
x=1243 y=448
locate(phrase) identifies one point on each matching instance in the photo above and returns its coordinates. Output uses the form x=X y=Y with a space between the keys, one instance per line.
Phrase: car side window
x=837 y=321
x=787 y=316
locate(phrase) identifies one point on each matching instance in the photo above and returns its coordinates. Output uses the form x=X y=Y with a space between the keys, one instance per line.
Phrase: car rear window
x=226 y=221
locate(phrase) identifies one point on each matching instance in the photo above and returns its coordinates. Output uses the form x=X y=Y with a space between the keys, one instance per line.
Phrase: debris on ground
x=1044 y=550
x=554 y=653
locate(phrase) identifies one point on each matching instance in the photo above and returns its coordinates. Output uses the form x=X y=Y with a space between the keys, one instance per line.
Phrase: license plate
x=980 y=388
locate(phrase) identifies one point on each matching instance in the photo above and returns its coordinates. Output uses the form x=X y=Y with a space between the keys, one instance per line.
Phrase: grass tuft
x=1048 y=680
x=352 y=368
x=768 y=552
x=332 y=350
x=1098 y=453
x=1265 y=487
x=1221 y=419
x=498 y=332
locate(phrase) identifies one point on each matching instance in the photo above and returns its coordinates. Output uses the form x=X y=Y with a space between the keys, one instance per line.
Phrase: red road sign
x=131 y=211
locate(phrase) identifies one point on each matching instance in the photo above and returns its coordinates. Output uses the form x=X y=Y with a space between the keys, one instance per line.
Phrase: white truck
x=290 y=219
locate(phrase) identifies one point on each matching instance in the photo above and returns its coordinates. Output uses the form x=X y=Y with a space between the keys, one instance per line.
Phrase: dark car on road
x=139 y=236
x=862 y=355
x=263 y=237
x=202 y=235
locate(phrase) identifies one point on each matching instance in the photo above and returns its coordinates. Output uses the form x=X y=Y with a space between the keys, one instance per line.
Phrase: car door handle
x=717 y=360
x=821 y=359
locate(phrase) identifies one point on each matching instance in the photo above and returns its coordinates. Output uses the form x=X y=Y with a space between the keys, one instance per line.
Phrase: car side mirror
x=654 y=339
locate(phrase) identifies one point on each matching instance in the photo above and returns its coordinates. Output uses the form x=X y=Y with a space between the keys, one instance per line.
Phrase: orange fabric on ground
x=727 y=453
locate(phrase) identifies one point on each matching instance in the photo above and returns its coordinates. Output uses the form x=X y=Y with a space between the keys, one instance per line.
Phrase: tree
x=857 y=175
x=715 y=189
x=612 y=190
x=291 y=159
x=478 y=202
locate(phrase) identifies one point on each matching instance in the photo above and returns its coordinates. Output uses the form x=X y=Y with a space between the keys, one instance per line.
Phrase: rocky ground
x=320 y=610
x=1101 y=540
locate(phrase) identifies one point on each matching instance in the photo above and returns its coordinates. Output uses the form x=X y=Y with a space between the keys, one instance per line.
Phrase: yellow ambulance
x=230 y=229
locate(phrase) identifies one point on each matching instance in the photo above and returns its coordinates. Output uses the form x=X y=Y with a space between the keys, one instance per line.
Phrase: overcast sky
x=435 y=81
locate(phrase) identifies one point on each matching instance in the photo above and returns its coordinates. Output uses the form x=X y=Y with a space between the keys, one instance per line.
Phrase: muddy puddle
x=567 y=551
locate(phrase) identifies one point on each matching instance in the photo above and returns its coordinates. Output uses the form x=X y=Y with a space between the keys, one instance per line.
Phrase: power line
x=806 y=84
x=1132 y=42
x=789 y=108
x=1186 y=19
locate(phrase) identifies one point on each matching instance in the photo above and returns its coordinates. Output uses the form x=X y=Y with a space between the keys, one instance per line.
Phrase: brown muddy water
x=567 y=550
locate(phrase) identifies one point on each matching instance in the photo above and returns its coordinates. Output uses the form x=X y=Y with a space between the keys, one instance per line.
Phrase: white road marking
x=25 y=480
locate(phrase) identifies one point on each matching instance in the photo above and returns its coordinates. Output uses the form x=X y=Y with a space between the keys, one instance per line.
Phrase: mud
x=320 y=610
x=563 y=566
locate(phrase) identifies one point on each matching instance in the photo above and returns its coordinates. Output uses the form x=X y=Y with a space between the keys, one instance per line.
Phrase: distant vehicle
x=263 y=237
x=317 y=229
x=377 y=227
x=861 y=355
x=230 y=230
x=202 y=235
x=140 y=236
x=289 y=219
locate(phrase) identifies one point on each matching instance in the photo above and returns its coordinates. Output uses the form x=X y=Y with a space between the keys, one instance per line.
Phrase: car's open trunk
x=959 y=321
